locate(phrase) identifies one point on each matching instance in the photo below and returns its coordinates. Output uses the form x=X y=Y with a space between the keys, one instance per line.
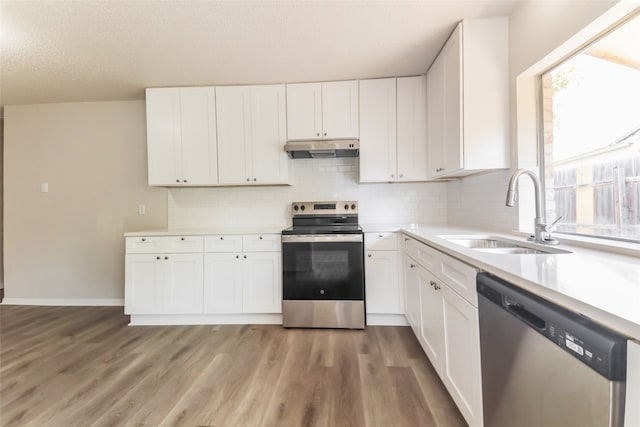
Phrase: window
x=591 y=135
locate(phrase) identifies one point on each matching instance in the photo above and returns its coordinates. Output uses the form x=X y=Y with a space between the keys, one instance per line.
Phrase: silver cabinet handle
x=406 y=239
x=166 y=257
x=245 y=257
x=436 y=287
x=379 y=235
x=412 y=265
x=325 y=134
x=369 y=255
x=144 y=239
x=182 y=238
x=184 y=180
x=317 y=133
x=392 y=176
x=439 y=169
x=254 y=179
x=177 y=180
x=248 y=179
x=157 y=257
x=432 y=283
x=260 y=237
x=221 y=238
x=401 y=175
x=237 y=256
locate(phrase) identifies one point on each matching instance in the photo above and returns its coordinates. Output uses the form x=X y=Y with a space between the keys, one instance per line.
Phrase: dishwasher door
x=545 y=366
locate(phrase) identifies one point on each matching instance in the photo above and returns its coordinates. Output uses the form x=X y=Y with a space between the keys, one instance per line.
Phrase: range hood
x=318 y=149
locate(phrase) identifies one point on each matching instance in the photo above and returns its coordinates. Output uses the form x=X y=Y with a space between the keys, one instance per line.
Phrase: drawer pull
x=182 y=238
x=412 y=265
x=221 y=238
x=245 y=257
x=260 y=237
x=157 y=257
x=379 y=235
x=144 y=239
x=432 y=283
x=406 y=239
x=237 y=256
x=369 y=255
x=166 y=257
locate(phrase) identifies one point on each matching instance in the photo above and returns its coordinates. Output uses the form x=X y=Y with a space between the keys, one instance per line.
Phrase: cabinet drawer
x=424 y=254
x=380 y=241
x=164 y=244
x=223 y=243
x=261 y=243
x=459 y=276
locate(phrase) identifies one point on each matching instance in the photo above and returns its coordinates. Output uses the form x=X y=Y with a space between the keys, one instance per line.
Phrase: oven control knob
x=295 y=208
x=353 y=206
x=346 y=207
x=302 y=208
x=321 y=291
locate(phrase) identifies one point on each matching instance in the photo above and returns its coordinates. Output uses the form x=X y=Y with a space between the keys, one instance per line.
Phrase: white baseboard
x=65 y=301
x=205 y=319
x=387 y=320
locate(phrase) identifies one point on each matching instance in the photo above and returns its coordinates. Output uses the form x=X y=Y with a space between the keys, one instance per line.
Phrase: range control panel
x=324 y=208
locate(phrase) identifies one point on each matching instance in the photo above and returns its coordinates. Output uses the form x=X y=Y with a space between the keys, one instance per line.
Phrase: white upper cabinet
x=468 y=100
x=377 y=130
x=412 y=129
x=251 y=135
x=181 y=136
x=322 y=110
x=393 y=138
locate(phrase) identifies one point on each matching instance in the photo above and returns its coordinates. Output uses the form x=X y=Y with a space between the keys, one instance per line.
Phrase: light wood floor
x=62 y=366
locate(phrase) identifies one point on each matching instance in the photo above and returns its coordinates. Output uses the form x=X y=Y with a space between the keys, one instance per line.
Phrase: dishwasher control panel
x=597 y=358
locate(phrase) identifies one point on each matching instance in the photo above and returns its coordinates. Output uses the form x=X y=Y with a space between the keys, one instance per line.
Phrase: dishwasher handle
x=525 y=315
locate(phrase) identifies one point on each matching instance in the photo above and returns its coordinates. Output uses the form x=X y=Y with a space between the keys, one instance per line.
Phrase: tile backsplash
x=313 y=179
x=479 y=201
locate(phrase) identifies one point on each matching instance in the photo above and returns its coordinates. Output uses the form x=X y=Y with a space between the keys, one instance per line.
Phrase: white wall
x=68 y=243
x=535 y=29
x=314 y=179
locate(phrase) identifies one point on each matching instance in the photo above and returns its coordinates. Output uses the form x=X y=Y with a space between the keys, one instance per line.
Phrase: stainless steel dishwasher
x=543 y=365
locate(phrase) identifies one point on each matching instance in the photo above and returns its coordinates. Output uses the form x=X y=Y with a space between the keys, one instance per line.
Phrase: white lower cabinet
x=163 y=283
x=461 y=372
x=431 y=321
x=381 y=276
x=221 y=274
x=261 y=282
x=411 y=293
x=237 y=281
x=444 y=318
x=222 y=283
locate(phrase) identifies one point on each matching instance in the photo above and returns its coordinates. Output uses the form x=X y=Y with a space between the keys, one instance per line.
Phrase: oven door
x=323 y=267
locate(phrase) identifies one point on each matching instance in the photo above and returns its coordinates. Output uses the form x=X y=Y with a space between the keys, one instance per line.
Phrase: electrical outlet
x=44 y=187
x=142 y=210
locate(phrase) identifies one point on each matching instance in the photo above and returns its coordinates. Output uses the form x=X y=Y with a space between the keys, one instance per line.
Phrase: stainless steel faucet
x=541 y=229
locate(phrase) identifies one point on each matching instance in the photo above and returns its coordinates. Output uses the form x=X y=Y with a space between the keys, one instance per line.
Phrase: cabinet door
x=262 y=282
x=452 y=54
x=435 y=117
x=411 y=293
x=164 y=151
x=143 y=284
x=223 y=283
x=431 y=335
x=304 y=111
x=340 y=109
x=378 y=130
x=270 y=163
x=412 y=130
x=182 y=283
x=234 y=133
x=381 y=282
x=199 y=146
x=461 y=368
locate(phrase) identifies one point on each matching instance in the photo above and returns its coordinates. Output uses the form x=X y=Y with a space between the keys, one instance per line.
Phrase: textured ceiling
x=94 y=51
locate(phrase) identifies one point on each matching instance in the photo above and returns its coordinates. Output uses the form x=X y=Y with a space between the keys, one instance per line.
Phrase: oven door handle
x=322 y=238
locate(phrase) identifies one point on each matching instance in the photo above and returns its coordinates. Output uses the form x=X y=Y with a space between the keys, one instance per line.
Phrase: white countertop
x=600 y=285
x=204 y=231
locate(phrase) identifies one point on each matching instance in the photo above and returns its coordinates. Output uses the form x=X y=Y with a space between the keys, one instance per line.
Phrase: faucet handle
x=549 y=227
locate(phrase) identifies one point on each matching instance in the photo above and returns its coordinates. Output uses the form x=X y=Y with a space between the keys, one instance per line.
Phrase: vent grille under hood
x=318 y=149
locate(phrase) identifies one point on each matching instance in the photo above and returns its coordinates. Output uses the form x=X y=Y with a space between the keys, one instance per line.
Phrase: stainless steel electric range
x=323 y=267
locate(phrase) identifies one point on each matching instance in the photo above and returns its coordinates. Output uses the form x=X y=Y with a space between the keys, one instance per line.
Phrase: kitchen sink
x=500 y=245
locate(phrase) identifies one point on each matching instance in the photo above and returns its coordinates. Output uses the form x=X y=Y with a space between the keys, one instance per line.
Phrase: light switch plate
x=142 y=210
